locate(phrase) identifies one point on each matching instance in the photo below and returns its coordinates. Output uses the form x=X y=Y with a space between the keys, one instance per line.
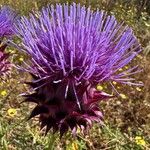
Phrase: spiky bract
x=4 y=63
x=72 y=49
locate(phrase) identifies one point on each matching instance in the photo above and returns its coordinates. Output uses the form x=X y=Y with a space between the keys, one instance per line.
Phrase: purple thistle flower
x=6 y=30
x=7 y=17
x=72 y=49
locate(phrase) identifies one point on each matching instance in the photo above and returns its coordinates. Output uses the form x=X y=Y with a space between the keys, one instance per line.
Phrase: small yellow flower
x=139 y=56
x=74 y=146
x=120 y=69
x=138 y=89
x=140 y=141
x=99 y=87
x=126 y=67
x=21 y=59
x=12 y=112
x=118 y=87
x=4 y=93
x=123 y=96
x=12 y=51
x=114 y=82
x=129 y=129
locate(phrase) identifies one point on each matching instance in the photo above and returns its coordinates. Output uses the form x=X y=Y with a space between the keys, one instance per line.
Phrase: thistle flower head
x=72 y=49
x=7 y=16
x=6 y=29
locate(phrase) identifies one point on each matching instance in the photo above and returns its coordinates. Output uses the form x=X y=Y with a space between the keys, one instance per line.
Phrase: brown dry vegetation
x=124 y=118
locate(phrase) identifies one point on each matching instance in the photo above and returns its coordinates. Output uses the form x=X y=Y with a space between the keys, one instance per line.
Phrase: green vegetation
x=126 y=123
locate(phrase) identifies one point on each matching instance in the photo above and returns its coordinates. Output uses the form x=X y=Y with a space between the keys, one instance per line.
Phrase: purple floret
x=7 y=17
x=72 y=49
x=69 y=38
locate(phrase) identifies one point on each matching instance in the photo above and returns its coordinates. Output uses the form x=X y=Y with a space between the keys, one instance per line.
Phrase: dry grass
x=125 y=118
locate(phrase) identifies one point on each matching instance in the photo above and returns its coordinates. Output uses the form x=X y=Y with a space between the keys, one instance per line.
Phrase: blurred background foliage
x=126 y=124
